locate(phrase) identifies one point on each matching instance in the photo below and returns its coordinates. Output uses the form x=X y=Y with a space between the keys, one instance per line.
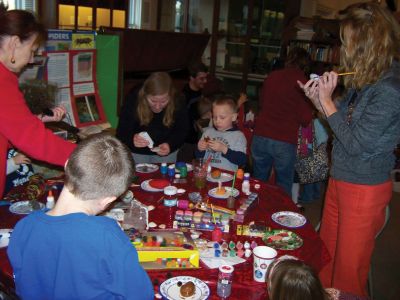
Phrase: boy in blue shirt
x=69 y=252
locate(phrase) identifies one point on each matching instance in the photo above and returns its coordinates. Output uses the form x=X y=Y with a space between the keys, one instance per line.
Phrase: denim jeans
x=311 y=192
x=268 y=153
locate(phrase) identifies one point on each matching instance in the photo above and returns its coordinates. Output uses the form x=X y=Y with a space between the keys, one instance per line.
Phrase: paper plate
x=213 y=193
x=289 y=219
x=146 y=168
x=146 y=186
x=23 y=207
x=282 y=239
x=5 y=237
x=170 y=289
x=225 y=177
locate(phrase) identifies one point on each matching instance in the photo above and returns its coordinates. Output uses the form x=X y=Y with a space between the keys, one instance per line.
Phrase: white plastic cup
x=262 y=257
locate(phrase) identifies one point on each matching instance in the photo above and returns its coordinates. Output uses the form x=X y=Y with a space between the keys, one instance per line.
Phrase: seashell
x=162 y=226
x=150 y=207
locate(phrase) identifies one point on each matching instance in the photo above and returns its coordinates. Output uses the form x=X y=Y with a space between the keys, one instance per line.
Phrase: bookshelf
x=320 y=37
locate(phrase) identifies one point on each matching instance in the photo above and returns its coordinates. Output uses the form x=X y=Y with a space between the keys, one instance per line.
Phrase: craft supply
x=199 y=173
x=239 y=247
x=164 y=169
x=183 y=204
x=346 y=73
x=224 y=285
x=50 y=200
x=216 y=234
x=239 y=173
x=170 y=201
x=231 y=200
x=171 y=171
x=246 y=184
x=181 y=166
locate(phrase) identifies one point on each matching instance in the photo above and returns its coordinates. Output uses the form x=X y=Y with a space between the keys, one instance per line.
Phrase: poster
x=74 y=73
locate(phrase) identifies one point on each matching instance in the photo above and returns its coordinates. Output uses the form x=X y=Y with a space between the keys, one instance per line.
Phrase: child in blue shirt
x=69 y=252
x=224 y=142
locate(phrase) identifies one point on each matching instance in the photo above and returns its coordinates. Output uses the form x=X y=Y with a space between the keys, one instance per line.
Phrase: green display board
x=107 y=74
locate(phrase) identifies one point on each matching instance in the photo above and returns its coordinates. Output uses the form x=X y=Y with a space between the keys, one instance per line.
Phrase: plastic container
x=246 y=187
x=171 y=171
x=164 y=169
x=225 y=276
x=170 y=201
x=181 y=166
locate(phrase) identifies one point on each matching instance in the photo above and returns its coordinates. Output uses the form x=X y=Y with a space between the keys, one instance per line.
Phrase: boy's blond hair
x=101 y=166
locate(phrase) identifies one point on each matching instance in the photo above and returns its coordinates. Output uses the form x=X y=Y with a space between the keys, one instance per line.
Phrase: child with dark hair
x=223 y=143
x=291 y=279
x=85 y=256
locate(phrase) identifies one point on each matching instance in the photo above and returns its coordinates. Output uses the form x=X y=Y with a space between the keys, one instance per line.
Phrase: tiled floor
x=386 y=257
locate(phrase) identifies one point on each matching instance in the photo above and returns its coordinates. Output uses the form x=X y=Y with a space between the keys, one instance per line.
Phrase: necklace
x=351 y=106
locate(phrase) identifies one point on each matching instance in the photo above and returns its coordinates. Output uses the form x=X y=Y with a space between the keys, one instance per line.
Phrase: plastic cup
x=199 y=173
x=262 y=257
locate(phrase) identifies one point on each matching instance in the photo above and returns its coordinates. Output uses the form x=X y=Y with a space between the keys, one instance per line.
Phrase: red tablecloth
x=271 y=199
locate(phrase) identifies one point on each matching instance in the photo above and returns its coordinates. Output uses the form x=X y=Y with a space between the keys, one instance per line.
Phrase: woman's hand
x=164 y=149
x=218 y=146
x=58 y=114
x=311 y=91
x=139 y=141
x=202 y=145
x=21 y=159
x=327 y=84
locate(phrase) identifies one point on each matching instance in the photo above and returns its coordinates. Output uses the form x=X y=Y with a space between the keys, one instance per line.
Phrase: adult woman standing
x=284 y=108
x=366 y=126
x=20 y=35
x=154 y=109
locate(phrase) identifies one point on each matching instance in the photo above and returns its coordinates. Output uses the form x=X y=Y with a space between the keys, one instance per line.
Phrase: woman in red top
x=20 y=36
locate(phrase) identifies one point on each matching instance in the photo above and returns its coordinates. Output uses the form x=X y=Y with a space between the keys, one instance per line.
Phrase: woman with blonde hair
x=366 y=127
x=155 y=109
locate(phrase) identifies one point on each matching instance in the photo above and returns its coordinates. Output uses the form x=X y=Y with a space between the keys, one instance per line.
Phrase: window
x=21 y=4
x=135 y=14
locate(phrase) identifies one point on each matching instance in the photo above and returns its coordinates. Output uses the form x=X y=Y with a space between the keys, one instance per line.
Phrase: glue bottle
x=50 y=200
x=246 y=184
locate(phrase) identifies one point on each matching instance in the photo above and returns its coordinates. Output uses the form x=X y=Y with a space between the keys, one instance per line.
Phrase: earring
x=12 y=60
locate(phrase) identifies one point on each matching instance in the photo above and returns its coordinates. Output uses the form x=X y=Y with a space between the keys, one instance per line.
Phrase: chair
x=370 y=274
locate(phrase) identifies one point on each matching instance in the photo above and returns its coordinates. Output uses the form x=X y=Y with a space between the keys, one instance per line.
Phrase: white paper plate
x=146 y=168
x=225 y=177
x=289 y=219
x=213 y=193
x=23 y=207
x=188 y=166
x=169 y=289
x=146 y=186
x=5 y=237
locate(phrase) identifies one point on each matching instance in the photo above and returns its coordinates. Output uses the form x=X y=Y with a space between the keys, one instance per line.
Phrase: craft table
x=271 y=199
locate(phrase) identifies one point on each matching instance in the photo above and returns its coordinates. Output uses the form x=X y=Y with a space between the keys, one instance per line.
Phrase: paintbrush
x=346 y=73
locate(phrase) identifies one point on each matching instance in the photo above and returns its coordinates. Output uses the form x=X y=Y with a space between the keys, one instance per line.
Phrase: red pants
x=353 y=215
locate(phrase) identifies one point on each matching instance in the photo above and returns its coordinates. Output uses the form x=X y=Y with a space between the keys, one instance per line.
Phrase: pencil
x=346 y=73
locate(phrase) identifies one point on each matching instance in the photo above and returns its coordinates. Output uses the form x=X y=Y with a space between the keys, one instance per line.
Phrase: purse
x=314 y=166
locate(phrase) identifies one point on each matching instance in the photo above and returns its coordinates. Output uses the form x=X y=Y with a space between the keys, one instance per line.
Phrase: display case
x=249 y=41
